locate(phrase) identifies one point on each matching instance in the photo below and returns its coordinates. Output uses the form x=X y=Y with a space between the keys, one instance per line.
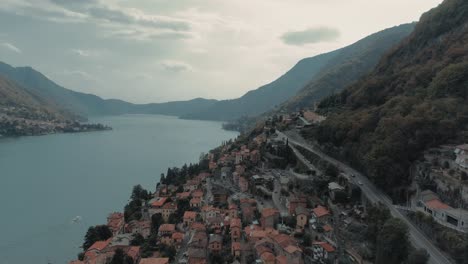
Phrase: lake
x=46 y=181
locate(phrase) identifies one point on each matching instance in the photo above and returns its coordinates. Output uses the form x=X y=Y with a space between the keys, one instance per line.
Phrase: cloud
x=11 y=47
x=175 y=66
x=311 y=35
x=81 y=74
x=127 y=16
x=86 y=53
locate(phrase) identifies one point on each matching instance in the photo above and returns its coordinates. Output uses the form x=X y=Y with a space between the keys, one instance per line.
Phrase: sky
x=165 y=50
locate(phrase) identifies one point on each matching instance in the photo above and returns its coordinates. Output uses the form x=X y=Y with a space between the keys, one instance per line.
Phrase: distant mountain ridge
x=266 y=97
x=313 y=78
x=310 y=79
x=91 y=105
x=350 y=64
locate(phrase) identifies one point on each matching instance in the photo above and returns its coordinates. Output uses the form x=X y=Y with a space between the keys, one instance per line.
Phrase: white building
x=462 y=156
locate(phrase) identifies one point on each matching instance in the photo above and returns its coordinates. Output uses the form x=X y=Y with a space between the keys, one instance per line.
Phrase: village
x=255 y=200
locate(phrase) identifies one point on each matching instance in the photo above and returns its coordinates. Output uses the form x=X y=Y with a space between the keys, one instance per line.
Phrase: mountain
x=18 y=102
x=415 y=98
x=90 y=105
x=313 y=78
x=268 y=96
x=350 y=64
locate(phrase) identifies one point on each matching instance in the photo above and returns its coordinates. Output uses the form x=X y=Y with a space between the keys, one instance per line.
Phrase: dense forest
x=415 y=98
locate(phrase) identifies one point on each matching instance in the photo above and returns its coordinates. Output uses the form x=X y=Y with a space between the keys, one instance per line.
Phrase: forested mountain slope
x=414 y=99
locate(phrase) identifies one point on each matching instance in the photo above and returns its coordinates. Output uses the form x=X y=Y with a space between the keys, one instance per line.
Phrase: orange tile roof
x=291 y=249
x=327 y=228
x=320 y=211
x=133 y=252
x=325 y=245
x=159 y=202
x=267 y=256
x=100 y=245
x=167 y=228
x=437 y=204
x=236 y=246
x=236 y=222
x=197 y=226
x=178 y=235
x=169 y=206
x=190 y=214
x=195 y=201
x=267 y=212
x=154 y=261
x=281 y=260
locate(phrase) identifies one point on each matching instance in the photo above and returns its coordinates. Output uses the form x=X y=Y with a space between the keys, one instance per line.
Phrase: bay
x=46 y=181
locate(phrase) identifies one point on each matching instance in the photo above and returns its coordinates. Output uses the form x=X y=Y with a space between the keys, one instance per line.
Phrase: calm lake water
x=46 y=181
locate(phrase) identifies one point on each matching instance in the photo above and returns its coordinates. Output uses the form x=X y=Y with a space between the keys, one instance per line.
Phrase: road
x=374 y=195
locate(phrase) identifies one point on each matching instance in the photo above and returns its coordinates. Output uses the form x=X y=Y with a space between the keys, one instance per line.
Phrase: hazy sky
x=162 y=50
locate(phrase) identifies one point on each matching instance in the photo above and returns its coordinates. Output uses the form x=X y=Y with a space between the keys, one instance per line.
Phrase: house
x=167 y=210
x=235 y=228
x=321 y=214
x=195 y=202
x=333 y=188
x=209 y=211
x=197 y=194
x=215 y=223
x=116 y=223
x=233 y=211
x=295 y=201
x=323 y=252
x=243 y=184
x=134 y=253
x=461 y=153
x=95 y=250
x=197 y=256
x=189 y=217
x=197 y=246
x=166 y=230
x=248 y=214
x=191 y=185
x=302 y=217
x=197 y=226
x=270 y=217
x=154 y=261
x=293 y=254
x=220 y=195
x=236 y=249
x=216 y=243
x=156 y=205
x=177 y=238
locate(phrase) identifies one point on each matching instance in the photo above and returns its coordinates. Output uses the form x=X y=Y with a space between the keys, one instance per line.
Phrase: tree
x=120 y=257
x=137 y=240
x=96 y=233
x=418 y=256
x=156 y=221
x=392 y=243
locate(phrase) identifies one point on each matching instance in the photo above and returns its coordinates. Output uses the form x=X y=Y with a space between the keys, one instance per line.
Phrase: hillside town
x=21 y=121
x=257 y=199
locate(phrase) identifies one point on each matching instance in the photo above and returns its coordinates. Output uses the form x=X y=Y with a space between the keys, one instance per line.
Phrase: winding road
x=375 y=195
